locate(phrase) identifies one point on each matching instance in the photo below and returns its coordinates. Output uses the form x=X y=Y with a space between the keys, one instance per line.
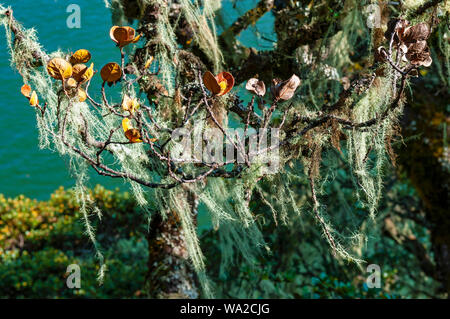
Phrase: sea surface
x=36 y=173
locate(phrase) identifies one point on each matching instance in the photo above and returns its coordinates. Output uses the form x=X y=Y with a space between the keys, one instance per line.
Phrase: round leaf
x=26 y=90
x=111 y=72
x=59 y=69
x=80 y=56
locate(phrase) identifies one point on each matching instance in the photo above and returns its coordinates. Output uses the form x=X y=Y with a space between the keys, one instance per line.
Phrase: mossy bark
x=170 y=274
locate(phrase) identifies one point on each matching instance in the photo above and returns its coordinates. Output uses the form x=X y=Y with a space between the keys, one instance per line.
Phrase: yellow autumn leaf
x=137 y=38
x=129 y=104
x=82 y=96
x=423 y=72
x=59 y=69
x=89 y=73
x=80 y=56
x=148 y=62
x=357 y=66
x=70 y=83
x=126 y=124
x=34 y=101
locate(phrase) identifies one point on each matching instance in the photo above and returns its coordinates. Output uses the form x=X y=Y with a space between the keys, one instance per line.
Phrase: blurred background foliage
x=39 y=239
x=300 y=264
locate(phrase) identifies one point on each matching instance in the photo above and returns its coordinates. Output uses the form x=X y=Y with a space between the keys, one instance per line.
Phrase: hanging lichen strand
x=206 y=38
x=133 y=139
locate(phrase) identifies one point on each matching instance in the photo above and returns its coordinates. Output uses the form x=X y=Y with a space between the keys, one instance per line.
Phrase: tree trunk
x=169 y=272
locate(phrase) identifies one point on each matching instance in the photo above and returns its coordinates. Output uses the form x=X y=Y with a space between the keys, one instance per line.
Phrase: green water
x=24 y=168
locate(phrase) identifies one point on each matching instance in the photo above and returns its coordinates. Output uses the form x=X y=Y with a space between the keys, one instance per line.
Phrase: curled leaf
x=26 y=90
x=111 y=73
x=132 y=134
x=419 y=54
x=284 y=90
x=256 y=87
x=418 y=32
x=80 y=56
x=77 y=71
x=226 y=82
x=81 y=73
x=398 y=27
x=82 y=96
x=88 y=74
x=211 y=83
x=411 y=41
x=220 y=84
x=70 y=83
x=123 y=36
x=59 y=69
x=129 y=104
x=34 y=101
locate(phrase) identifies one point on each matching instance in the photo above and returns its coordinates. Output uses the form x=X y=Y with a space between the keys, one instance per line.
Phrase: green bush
x=39 y=239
